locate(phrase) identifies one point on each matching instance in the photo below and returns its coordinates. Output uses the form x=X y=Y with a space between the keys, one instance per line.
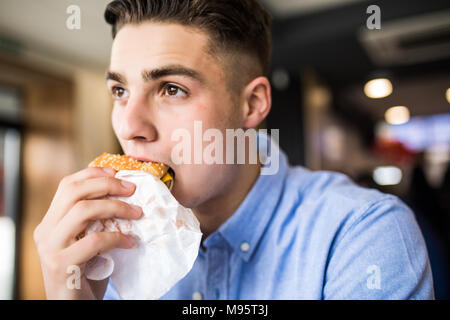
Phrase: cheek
x=115 y=122
x=214 y=115
x=186 y=118
x=201 y=110
x=115 y=119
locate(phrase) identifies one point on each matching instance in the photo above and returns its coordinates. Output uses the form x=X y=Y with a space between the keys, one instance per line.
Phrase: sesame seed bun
x=122 y=162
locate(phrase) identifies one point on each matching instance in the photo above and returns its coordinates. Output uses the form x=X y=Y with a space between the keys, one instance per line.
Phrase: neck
x=214 y=212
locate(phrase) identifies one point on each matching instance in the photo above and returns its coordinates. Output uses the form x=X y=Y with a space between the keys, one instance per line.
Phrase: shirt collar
x=245 y=227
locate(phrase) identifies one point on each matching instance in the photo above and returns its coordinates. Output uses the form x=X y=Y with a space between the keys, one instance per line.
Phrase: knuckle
x=97 y=171
x=67 y=185
x=105 y=181
x=82 y=206
x=39 y=238
x=96 y=239
x=74 y=184
x=81 y=209
x=111 y=182
x=53 y=263
x=42 y=245
x=118 y=205
x=65 y=181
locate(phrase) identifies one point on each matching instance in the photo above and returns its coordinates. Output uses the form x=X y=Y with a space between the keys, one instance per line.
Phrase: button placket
x=219 y=272
x=198 y=292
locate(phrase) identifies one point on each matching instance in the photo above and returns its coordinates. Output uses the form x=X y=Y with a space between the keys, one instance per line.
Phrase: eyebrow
x=154 y=74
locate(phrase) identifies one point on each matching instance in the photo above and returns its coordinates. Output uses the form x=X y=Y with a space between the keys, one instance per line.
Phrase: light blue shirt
x=301 y=234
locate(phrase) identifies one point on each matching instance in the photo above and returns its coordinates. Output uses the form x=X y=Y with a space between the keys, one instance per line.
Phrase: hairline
x=224 y=57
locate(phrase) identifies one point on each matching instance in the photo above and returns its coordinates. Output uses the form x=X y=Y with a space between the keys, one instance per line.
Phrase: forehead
x=149 y=45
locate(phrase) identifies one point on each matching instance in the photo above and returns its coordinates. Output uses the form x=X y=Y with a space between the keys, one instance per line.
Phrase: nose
x=135 y=122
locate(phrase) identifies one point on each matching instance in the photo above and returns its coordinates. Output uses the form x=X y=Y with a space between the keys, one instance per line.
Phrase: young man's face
x=163 y=79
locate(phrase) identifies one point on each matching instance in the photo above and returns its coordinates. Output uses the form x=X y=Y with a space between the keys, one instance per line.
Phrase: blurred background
x=349 y=97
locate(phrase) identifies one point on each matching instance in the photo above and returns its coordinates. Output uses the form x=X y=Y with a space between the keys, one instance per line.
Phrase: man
x=295 y=234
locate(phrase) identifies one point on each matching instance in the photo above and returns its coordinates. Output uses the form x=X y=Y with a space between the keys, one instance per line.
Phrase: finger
x=94 y=243
x=53 y=214
x=89 y=173
x=85 y=174
x=90 y=189
x=102 y=187
x=85 y=211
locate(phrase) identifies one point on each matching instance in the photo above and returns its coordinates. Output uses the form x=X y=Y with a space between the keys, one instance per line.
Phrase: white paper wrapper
x=169 y=238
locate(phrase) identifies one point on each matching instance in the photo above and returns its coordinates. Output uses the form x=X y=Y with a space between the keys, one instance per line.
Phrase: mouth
x=144 y=159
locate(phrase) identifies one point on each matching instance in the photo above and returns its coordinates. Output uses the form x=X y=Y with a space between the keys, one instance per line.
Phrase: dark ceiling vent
x=410 y=40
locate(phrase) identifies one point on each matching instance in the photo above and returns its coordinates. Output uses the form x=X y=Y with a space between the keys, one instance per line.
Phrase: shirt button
x=197 y=296
x=245 y=246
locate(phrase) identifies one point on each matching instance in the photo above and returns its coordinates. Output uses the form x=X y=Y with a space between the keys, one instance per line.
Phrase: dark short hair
x=233 y=26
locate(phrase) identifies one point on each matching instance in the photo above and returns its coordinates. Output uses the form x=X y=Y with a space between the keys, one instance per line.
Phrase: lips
x=143 y=159
x=171 y=171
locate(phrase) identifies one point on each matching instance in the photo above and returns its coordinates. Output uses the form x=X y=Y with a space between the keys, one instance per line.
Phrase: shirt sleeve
x=110 y=293
x=381 y=255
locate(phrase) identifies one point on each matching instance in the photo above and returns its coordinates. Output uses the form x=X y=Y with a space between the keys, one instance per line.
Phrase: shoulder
x=355 y=229
x=316 y=185
x=333 y=195
x=328 y=205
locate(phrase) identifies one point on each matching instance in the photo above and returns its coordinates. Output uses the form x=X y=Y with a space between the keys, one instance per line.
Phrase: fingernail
x=127 y=185
x=131 y=240
x=136 y=209
x=109 y=170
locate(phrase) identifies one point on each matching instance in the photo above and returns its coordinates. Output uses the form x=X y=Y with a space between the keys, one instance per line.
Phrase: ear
x=256 y=101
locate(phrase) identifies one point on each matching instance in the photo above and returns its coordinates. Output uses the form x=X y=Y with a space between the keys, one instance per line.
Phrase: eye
x=119 y=93
x=173 y=90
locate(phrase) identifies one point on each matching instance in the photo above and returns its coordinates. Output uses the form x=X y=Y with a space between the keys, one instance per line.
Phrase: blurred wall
x=93 y=106
x=66 y=124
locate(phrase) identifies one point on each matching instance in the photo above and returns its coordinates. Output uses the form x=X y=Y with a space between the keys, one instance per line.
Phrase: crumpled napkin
x=168 y=241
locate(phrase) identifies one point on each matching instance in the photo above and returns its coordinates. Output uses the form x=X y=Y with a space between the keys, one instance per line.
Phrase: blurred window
x=10 y=141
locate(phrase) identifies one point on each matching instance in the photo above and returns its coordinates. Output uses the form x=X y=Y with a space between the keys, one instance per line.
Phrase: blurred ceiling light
x=397 y=115
x=387 y=176
x=378 y=88
x=447 y=95
x=280 y=79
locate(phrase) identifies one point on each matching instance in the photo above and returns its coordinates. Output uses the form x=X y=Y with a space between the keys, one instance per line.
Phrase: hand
x=79 y=199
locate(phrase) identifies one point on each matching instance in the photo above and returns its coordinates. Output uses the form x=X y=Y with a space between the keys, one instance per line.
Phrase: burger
x=122 y=162
x=168 y=235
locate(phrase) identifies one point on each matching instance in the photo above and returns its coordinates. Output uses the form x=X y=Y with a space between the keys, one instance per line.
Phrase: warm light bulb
x=387 y=176
x=447 y=95
x=378 y=88
x=397 y=115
